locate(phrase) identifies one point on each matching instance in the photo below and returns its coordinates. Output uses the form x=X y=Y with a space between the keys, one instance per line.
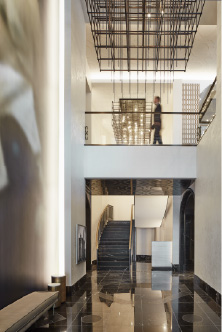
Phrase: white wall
x=208 y=194
x=140 y=162
x=121 y=211
x=208 y=207
x=144 y=238
x=74 y=142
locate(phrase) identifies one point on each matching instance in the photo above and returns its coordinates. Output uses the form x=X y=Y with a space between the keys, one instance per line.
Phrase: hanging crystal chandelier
x=133 y=123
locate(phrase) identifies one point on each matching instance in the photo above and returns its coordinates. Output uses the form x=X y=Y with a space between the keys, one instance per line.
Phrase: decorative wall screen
x=191 y=97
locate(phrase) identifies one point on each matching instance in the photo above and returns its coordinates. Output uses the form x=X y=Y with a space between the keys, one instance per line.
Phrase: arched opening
x=187 y=231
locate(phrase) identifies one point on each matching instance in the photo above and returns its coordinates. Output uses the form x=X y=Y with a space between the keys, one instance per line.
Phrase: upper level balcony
x=119 y=143
x=185 y=116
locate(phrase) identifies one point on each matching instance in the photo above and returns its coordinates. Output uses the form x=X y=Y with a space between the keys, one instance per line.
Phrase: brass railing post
x=131 y=229
x=106 y=215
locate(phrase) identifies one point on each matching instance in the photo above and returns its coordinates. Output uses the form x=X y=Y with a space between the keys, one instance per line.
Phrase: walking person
x=157 y=121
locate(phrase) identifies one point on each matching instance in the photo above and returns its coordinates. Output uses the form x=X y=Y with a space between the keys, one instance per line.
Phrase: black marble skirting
x=75 y=287
x=176 y=268
x=161 y=268
x=144 y=258
x=216 y=296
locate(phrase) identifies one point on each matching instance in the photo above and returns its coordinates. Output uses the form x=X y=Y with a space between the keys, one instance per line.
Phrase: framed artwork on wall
x=80 y=244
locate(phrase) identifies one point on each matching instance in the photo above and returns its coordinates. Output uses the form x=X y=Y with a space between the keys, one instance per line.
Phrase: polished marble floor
x=139 y=300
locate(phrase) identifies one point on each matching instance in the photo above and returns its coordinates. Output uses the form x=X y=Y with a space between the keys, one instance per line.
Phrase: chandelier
x=133 y=123
x=144 y=35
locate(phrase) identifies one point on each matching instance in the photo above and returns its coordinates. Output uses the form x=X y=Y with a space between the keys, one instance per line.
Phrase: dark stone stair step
x=108 y=240
x=114 y=245
x=112 y=268
x=121 y=221
x=107 y=231
x=107 y=263
x=116 y=251
x=123 y=227
x=113 y=259
x=113 y=237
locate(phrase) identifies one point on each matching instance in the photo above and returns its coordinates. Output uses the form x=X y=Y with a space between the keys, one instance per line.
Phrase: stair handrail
x=106 y=215
x=131 y=226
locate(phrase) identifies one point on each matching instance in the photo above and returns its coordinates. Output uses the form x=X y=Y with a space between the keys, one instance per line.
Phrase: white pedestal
x=162 y=254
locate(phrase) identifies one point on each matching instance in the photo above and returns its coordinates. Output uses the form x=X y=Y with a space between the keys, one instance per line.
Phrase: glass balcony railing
x=207 y=108
x=117 y=128
x=132 y=121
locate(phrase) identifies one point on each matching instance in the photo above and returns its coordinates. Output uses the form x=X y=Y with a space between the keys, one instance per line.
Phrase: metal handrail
x=106 y=215
x=207 y=100
x=131 y=226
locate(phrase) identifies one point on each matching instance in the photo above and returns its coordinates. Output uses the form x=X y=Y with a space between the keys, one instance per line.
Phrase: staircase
x=113 y=250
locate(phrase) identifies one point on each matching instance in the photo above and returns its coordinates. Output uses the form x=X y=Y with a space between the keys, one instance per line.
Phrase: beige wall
x=149 y=210
x=144 y=238
x=165 y=231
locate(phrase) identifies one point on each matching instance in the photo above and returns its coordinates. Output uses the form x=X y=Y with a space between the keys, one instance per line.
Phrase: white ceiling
x=203 y=60
x=209 y=16
x=149 y=211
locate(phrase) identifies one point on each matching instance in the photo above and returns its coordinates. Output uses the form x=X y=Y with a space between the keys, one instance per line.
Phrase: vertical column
x=67 y=143
x=78 y=106
x=219 y=61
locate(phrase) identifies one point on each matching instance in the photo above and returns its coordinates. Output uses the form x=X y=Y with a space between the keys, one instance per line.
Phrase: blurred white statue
x=20 y=36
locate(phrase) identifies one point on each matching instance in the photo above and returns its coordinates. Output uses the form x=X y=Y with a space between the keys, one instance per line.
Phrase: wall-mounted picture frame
x=80 y=243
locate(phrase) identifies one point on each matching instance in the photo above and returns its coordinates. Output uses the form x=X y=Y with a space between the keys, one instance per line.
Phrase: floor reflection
x=138 y=300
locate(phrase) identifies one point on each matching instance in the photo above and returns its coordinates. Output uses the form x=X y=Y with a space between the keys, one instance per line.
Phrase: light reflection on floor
x=138 y=300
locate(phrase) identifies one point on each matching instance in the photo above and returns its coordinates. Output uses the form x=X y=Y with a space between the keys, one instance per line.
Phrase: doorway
x=187 y=231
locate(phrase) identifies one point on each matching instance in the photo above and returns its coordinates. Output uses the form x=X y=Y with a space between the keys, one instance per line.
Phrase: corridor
x=139 y=300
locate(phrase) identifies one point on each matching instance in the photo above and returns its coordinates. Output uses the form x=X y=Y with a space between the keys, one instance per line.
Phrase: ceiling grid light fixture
x=152 y=39
x=125 y=33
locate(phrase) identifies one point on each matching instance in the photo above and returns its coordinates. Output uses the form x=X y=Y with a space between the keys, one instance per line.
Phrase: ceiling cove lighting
x=144 y=35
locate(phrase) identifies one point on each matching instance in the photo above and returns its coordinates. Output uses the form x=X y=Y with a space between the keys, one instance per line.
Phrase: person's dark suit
x=157 y=125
